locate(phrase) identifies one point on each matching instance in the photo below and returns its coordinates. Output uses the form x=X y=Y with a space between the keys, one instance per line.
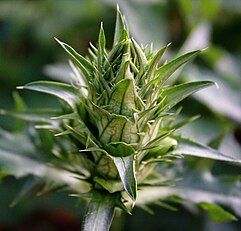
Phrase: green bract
x=121 y=111
x=116 y=125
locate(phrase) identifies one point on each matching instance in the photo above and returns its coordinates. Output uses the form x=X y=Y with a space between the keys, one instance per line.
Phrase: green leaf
x=110 y=185
x=123 y=71
x=101 y=48
x=120 y=28
x=184 y=122
x=173 y=95
x=165 y=71
x=122 y=99
x=19 y=107
x=217 y=213
x=63 y=91
x=166 y=206
x=125 y=165
x=120 y=149
x=216 y=142
x=126 y=169
x=228 y=92
x=18 y=165
x=192 y=148
x=82 y=62
x=140 y=55
x=195 y=187
x=32 y=115
x=100 y=212
x=161 y=148
x=154 y=62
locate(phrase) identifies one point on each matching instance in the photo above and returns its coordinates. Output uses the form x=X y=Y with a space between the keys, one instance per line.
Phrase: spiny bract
x=117 y=112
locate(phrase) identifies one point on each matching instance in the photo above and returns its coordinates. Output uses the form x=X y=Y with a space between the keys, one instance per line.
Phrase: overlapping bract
x=116 y=124
x=118 y=109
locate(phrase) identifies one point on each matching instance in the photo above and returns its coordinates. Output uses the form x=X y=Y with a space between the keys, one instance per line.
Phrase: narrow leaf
x=18 y=165
x=84 y=64
x=165 y=71
x=126 y=169
x=175 y=94
x=19 y=107
x=217 y=213
x=195 y=187
x=192 y=148
x=184 y=122
x=63 y=91
x=100 y=212
x=140 y=55
x=110 y=185
x=120 y=28
x=32 y=115
x=154 y=62
x=101 y=48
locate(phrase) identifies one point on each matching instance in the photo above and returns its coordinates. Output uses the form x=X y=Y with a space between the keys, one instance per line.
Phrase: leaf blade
x=100 y=212
x=217 y=213
x=165 y=71
x=126 y=169
x=84 y=64
x=173 y=95
x=62 y=91
x=191 y=148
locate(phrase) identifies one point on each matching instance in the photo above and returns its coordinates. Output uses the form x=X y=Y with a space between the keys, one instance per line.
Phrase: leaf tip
x=59 y=42
x=117 y=7
x=20 y=87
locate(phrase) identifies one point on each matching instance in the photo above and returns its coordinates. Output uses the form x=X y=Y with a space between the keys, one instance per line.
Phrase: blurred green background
x=28 y=52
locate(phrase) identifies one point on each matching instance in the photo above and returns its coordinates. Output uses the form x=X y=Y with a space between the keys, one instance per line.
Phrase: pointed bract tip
x=133 y=40
x=196 y=117
x=58 y=134
x=20 y=87
x=58 y=41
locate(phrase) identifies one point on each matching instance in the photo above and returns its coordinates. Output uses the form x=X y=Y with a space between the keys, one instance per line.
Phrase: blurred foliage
x=27 y=29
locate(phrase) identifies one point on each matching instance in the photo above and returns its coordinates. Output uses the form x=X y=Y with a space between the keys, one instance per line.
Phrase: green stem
x=100 y=212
